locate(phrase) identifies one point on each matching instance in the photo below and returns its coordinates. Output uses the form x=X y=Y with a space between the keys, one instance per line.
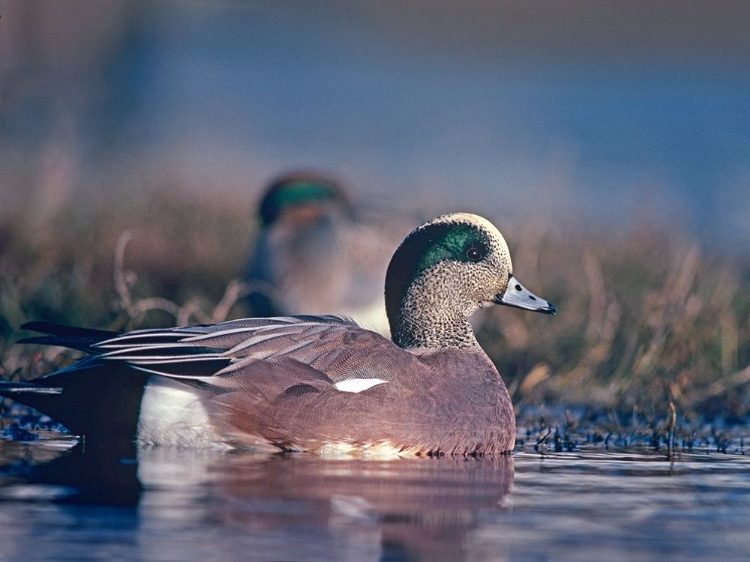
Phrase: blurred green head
x=296 y=190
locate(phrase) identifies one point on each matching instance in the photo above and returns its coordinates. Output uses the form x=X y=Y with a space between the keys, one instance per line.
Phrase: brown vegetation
x=645 y=316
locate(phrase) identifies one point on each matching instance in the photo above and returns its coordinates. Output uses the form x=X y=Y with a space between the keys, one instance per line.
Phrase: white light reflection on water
x=195 y=505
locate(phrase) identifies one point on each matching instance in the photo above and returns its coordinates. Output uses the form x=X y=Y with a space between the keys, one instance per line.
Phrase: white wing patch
x=357 y=385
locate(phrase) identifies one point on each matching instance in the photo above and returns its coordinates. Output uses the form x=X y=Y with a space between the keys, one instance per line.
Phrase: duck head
x=442 y=273
x=301 y=198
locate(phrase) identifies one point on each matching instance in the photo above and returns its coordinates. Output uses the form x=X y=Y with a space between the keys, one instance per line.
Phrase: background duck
x=311 y=383
x=316 y=253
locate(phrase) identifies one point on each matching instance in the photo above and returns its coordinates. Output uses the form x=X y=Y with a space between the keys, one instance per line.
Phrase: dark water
x=196 y=505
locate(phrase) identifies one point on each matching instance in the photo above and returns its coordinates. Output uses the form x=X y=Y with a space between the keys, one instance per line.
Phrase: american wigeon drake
x=318 y=253
x=310 y=383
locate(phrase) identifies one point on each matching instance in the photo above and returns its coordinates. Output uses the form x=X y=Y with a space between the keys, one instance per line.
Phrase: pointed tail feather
x=17 y=389
x=82 y=339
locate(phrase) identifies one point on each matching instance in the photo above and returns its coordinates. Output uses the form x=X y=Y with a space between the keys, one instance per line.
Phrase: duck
x=316 y=252
x=316 y=384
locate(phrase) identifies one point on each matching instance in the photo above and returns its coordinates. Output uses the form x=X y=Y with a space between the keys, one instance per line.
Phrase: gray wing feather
x=333 y=348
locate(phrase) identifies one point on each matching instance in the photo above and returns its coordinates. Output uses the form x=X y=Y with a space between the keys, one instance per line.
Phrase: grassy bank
x=645 y=316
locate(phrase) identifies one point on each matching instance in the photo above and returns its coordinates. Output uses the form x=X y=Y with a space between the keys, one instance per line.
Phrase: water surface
x=174 y=504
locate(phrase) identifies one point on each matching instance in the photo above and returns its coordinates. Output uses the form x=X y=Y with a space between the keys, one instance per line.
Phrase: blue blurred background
x=589 y=111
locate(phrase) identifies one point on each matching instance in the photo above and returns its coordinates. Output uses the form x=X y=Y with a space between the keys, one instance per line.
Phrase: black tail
x=99 y=402
x=94 y=399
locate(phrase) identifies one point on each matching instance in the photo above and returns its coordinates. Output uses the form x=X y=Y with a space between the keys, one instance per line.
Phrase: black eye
x=475 y=253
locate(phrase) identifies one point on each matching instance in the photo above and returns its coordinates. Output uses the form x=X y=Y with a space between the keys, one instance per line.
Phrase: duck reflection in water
x=288 y=506
x=404 y=509
x=74 y=476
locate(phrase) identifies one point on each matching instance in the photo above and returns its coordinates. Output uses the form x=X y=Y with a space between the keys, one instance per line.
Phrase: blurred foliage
x=644 y=316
